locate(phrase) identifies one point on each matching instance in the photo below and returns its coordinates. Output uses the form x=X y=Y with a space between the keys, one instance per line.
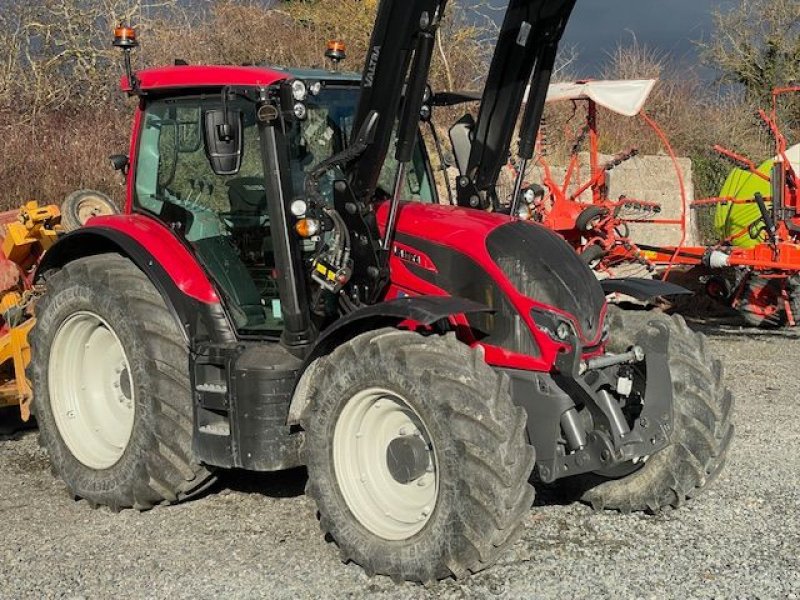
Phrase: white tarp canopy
x=624 y=97
x=793 y=154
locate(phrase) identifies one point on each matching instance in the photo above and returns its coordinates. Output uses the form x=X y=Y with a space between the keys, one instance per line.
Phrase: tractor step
x=242 y=394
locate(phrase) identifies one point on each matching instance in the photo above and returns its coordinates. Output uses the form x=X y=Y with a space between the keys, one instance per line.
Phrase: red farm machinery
x=755 y=265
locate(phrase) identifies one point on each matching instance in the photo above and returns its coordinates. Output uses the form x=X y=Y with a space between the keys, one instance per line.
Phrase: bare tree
x=756 y=44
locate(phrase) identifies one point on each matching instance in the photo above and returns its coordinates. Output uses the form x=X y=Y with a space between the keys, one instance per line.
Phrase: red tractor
x=268 y=301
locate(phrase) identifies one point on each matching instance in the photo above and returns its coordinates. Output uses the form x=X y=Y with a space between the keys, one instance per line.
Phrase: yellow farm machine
x=26 y=234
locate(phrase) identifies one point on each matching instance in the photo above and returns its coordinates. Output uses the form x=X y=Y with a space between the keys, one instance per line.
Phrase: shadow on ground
x=278 y=484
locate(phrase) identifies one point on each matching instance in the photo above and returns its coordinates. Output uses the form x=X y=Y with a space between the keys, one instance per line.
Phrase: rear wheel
x=702 y=428
x=418 y=459
x=110 y=373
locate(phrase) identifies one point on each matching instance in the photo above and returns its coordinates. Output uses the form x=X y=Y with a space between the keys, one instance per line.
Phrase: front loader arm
x=397 y=61
x=393 y=85
x=525 y=55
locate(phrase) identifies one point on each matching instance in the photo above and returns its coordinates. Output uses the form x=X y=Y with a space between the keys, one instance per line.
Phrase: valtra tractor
x=268 y=301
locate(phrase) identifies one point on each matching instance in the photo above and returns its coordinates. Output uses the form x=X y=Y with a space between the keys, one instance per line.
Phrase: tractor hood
x=525 y=260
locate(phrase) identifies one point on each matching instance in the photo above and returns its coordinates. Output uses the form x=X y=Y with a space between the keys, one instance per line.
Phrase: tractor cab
x=198 y=168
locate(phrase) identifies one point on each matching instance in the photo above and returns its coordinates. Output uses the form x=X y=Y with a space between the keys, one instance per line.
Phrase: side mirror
x=120 y=162
x=224 y=143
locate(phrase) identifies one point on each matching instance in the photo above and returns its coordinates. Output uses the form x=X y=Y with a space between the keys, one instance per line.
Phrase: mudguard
x=425 y=310
x=642 y=289
x=168 y=264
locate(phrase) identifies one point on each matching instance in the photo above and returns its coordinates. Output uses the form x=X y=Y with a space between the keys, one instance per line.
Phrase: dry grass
x=61 y=152
x=61 y=114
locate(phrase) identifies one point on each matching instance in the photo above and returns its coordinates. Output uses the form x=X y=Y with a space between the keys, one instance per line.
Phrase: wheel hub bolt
x=403 y=431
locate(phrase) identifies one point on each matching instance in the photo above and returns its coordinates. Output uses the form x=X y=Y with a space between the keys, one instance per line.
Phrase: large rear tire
x=418 y=460
x=702 y=432
x=110 y=373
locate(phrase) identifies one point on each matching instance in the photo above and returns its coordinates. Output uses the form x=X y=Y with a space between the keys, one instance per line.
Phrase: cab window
x=224 y=218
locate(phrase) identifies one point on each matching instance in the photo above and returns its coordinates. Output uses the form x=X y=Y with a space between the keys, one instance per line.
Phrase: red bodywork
x=165 y=248
x=465 y=231
x=461 y=230
x=203 y=76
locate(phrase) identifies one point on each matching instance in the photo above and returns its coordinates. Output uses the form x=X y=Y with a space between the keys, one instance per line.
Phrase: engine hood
x=462 y=229
x=524 y=258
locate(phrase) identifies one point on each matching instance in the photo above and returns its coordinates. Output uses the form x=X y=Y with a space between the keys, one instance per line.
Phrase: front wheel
x=418 y=459
x=702 y=424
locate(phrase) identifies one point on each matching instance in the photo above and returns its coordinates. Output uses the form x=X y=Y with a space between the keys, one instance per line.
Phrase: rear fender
x=423 y=310
x=168 y=264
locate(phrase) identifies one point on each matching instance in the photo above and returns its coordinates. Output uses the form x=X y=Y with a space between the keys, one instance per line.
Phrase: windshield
x=326 y=131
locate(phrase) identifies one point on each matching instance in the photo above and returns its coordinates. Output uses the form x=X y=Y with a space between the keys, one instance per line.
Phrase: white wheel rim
x=367 y=425
x=91 y=390
x=92 y=206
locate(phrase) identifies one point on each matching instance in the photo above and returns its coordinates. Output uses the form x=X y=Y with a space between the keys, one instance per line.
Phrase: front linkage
x=596 y=386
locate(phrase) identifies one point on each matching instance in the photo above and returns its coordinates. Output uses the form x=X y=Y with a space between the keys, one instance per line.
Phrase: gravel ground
x=256 y=535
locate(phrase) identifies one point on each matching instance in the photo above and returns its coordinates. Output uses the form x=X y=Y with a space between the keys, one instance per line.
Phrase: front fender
x=425 y=310
x=642 y=289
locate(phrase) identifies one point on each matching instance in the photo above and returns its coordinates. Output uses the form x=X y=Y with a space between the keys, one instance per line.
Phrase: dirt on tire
x=156 y=466
x=702 y=427
x=483 y=457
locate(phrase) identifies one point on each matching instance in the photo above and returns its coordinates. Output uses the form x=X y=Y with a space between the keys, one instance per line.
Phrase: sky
x=598 y=26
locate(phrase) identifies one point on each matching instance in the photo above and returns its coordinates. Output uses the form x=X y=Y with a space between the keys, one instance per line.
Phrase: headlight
x=298 y=208
x=315 y=88
x=299 y=90
x=300 y=111
x=553 y=325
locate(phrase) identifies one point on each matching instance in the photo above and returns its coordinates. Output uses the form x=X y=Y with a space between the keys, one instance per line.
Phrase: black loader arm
x=393 y=86
x=392 y=90
x=394 y=77
x=525 y=55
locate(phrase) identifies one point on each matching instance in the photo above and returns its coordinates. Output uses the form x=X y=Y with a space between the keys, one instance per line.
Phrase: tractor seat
x=220 y=257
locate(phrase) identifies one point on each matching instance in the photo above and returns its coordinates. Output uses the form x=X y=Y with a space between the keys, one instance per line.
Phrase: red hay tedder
x=577 y=203
x=759 y=279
